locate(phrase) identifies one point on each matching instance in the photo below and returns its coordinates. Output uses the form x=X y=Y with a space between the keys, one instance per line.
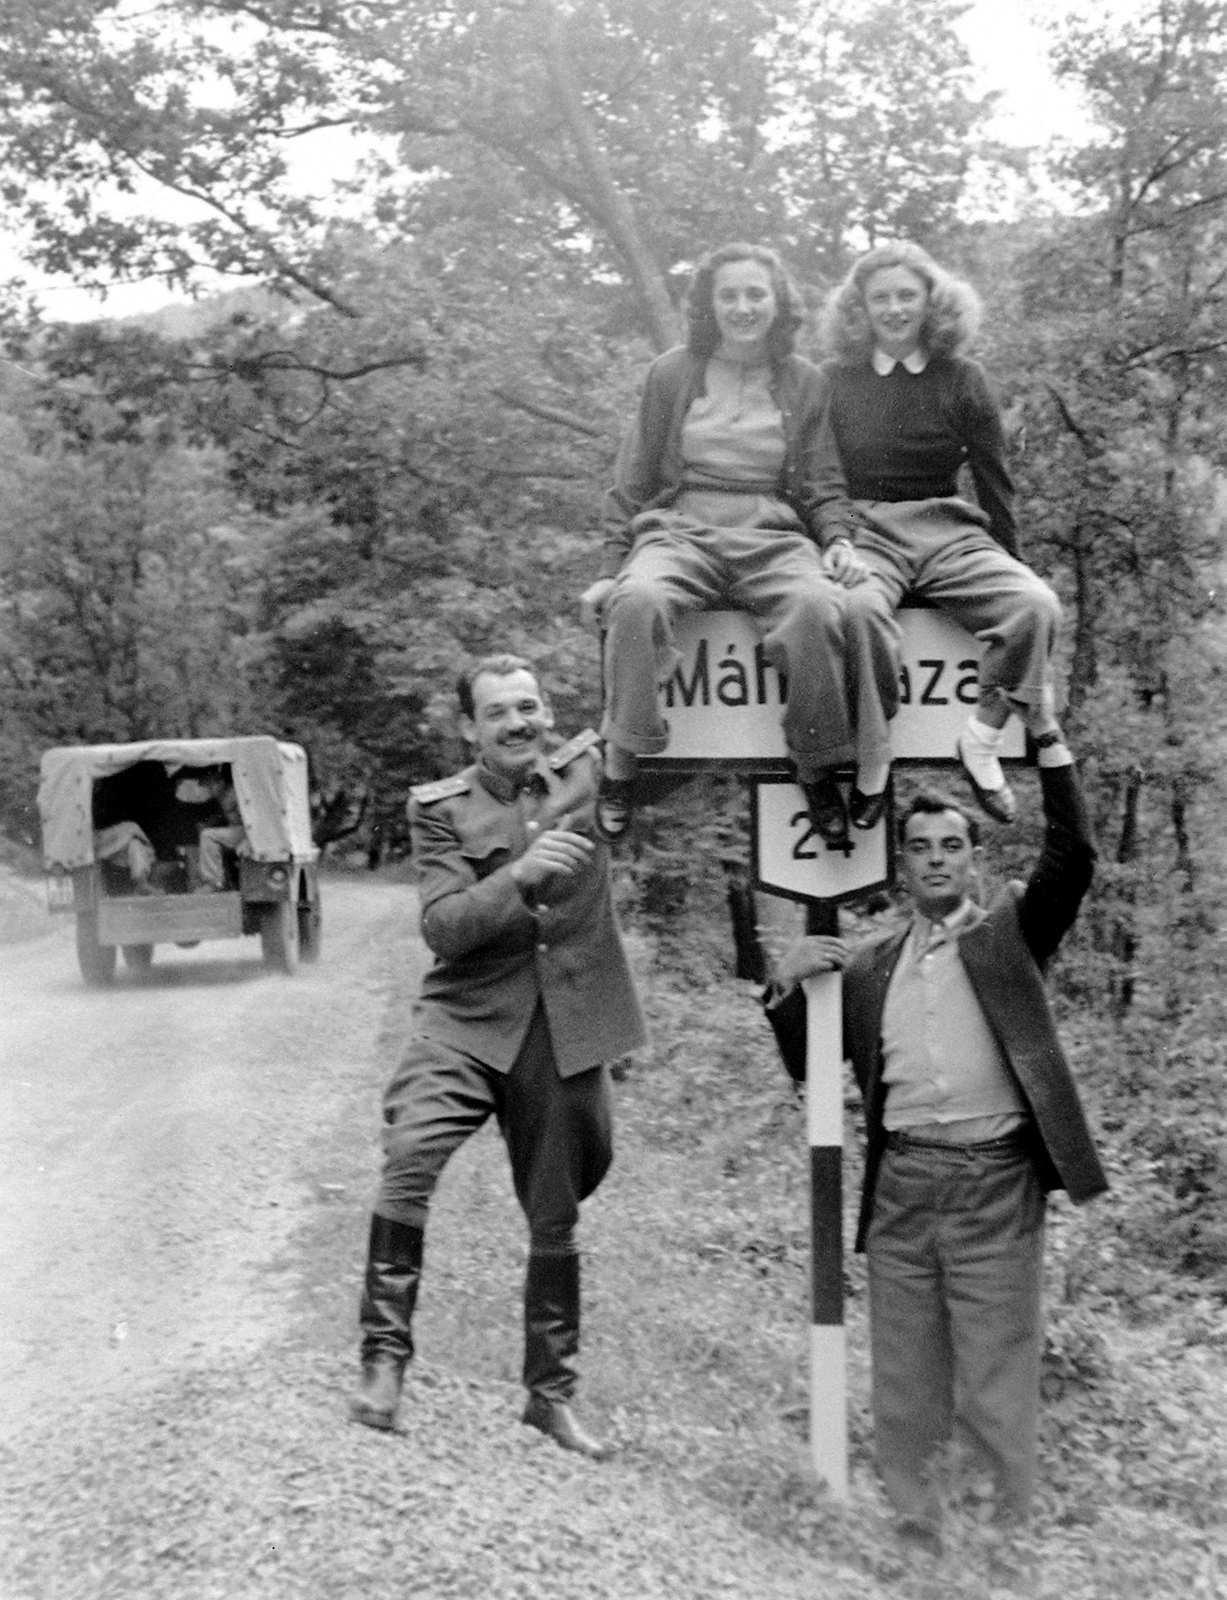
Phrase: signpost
x=722 y=706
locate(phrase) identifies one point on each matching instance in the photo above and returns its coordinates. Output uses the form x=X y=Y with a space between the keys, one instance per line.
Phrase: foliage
x=127 y=564
x=624 y=132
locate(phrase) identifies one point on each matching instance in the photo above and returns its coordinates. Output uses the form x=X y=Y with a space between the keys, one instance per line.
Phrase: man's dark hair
x=931 y=803
x=498 y=666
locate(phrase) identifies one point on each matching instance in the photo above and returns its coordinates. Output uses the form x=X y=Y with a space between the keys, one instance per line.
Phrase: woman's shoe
x=979 y=767
x=615 y=806
x=827 y=812
x=865 y=810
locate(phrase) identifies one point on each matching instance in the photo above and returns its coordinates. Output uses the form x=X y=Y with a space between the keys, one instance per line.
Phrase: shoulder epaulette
x=567 y=753
x=441 y=789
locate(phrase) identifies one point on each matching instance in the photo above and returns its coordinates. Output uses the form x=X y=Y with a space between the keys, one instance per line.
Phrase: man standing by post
x=972 y=1115
x=528 y=997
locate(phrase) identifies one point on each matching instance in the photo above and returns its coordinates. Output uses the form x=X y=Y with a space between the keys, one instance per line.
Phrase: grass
x=696 y=1350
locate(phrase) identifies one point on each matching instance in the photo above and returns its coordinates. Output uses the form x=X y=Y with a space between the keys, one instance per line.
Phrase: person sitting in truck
x=221 y=831
x=128 y=844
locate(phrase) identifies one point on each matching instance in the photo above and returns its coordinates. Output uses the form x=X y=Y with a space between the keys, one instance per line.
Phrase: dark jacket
x=497 y=955
x=1004 y=955
x=649 y=472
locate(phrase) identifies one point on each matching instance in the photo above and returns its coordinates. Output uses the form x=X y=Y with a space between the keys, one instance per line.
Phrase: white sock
x=983 y=734
x=872 y=780
x=980 y=744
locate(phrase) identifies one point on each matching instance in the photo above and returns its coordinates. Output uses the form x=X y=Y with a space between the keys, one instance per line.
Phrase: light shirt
x=734 y=432
x=943 y=1068
x=884 y=365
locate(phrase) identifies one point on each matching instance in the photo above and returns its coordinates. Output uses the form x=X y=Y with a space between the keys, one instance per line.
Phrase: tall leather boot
x=551 y=1343
x=393 y=1268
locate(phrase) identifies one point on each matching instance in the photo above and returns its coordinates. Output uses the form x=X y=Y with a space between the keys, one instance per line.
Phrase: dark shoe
x=378 y=1393
x=998 y=802
x=557 y=1421
x=615 y=806
x=825 y=800
x=865 y=810
x=917 y=1536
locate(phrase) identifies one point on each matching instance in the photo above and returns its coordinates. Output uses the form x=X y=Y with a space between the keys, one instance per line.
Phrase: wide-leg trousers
x=941 y=551
x=558 y=1131
x=955 y=1252
x=680 y=563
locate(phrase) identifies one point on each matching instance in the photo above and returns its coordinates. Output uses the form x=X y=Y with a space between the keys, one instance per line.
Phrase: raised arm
x=1062 y=875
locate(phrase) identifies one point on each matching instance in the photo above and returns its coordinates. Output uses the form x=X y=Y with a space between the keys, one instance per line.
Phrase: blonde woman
x=908 y=409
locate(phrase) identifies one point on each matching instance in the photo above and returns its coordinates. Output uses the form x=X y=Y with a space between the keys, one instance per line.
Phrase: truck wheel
x=279 y=936
x=97 y=961
x=138 y=957
x=310 y=930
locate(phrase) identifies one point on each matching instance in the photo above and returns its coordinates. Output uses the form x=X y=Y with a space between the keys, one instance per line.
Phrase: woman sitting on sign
x=908 y=409
x=728 y=492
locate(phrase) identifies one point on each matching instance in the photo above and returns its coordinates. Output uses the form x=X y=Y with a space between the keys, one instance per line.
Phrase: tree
x=628 y=133
x=126 y=571
x=1121 y=333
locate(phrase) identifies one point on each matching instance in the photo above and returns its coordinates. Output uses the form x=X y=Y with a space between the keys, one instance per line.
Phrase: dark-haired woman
x=728 y=492
x=908 y=409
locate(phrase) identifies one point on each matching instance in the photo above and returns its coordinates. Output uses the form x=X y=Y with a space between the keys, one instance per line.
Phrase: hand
x=557 y=850
x=815 y=954
x=593 y=601
x=842 y=563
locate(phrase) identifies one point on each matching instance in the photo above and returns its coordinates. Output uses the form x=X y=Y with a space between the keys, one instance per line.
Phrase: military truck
x=157 y=797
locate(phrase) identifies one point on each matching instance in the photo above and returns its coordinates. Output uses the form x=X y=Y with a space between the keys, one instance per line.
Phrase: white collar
x=928 y=935
x=884 y=365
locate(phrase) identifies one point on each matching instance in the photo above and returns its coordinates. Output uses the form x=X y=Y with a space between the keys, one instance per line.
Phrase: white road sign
x=723 y=703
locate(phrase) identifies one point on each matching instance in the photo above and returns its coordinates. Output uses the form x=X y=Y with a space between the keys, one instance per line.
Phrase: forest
x=376 y=442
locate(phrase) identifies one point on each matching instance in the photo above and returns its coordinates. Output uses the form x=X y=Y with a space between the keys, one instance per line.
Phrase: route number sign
x=791 y=860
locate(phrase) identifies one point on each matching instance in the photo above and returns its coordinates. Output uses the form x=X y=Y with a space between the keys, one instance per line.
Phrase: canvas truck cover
x=270 y=782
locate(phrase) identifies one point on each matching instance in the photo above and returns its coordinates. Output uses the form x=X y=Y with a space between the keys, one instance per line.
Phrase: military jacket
x=499 y=950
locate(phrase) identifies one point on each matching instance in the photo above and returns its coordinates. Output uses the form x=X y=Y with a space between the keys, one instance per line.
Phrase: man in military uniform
x=528 y=997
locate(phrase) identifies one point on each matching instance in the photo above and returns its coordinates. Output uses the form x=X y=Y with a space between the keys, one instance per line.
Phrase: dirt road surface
x=186 y=1166
x=148 y=1143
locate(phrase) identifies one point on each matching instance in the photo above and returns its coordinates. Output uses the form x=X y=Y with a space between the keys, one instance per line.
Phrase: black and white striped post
x=824 y=1115
x=791 y=861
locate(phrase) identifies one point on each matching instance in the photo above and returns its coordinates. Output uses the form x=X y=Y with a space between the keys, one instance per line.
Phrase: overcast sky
x=1006 y=46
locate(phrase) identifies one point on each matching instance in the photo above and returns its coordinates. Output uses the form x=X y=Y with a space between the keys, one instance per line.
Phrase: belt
x=1019 y=1139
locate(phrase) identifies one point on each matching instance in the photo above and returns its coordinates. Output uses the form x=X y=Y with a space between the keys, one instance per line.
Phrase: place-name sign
x=724 y=701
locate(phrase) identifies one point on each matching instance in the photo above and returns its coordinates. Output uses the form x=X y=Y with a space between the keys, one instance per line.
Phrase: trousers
x=681 y=563
x=941 y=551
x=558 y=1131
x=955 y=1253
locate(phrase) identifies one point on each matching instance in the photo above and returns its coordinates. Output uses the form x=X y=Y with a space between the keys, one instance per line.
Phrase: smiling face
x=896 y=299
x=510 y=721
x=744 y=306
x=939 y=862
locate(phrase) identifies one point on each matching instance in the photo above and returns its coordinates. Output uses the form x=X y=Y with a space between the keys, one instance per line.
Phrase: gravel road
x=185 y=1171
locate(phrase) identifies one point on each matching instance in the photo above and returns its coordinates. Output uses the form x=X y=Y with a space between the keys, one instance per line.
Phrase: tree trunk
x=1124 y=940
x=610 y=205
x=1084 y=663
